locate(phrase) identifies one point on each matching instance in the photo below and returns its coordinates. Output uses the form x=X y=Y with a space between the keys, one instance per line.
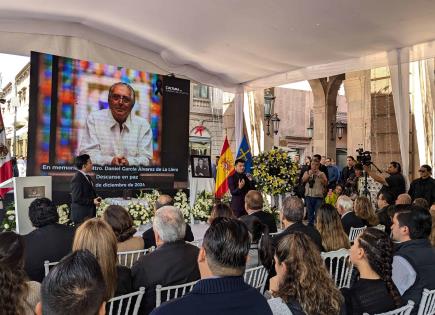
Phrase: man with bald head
x=149 y=237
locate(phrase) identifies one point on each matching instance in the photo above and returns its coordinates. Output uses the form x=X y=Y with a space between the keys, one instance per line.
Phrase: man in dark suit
x=254 y=206
x=292 y=214
x=148 y=236
x=172 y=263
x=83 y=195
x=348 y=218
x=50 y=241
x=239 y=184
x=221 y=290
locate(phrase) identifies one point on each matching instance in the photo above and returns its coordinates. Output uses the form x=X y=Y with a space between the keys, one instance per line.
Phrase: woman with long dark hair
x=18 y=296
x=261 y=252
x=374 y=292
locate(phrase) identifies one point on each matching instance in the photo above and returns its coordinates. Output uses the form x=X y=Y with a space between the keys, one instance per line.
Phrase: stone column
x=325 y=92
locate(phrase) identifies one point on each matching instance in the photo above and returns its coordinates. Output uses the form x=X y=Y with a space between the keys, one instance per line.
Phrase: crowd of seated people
x=387 y=274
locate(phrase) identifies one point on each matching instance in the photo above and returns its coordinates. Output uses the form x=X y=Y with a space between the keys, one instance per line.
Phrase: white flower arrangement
x=63 y=211
x=182 y=202
x=9 y=221
x=202 y=207
x=139 y=213
x=101 y=208
x=150 y=199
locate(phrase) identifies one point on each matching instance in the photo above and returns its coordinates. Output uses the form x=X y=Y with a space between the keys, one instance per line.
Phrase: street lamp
x=269 y=116
x=340 y=130
x=310 y=132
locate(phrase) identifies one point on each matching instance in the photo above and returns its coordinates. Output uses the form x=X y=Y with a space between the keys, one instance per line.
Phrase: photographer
x=395 y=183
x=351 y=188
x=315 y=184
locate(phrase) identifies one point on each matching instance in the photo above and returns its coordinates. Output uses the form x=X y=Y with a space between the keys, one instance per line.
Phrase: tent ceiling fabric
x=224 y=43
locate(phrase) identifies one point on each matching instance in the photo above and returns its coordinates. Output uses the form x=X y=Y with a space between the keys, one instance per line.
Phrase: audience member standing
x=122 y=225
x=17 y=295
x=221 y=289
x=254 y=207
x=348 y=217
x=239 y=185
x=75 y=286
x=315 y=185
x=302 y=285
x=423 y=187
x=348 y=170
x=364 y=210
x=291 y=215
x=394 y=183
x=432 y=234
x=173 y=262
x=300 y=189
x=96 y=236
x=333 y=173
x=374 y=292
x=83 y=195
x=414 y=259
x=149 y=236
x=49 y=241
x=331 y=230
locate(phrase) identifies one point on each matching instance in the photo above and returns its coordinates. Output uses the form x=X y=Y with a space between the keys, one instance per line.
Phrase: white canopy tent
x=234 y=45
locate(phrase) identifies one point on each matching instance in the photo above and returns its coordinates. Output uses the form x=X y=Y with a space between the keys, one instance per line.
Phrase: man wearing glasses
x=423 y=187
x=114 y=136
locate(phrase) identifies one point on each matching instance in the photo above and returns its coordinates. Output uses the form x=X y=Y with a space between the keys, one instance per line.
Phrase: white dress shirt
x=103 y=139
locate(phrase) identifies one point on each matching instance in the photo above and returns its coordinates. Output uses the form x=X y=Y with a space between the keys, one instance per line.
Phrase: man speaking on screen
x=115 y=136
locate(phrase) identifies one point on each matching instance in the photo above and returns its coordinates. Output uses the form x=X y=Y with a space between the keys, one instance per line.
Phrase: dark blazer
x=125 y=281
x=238 y=195
x=349 y=220
x=150 y=240
x=267 y=219
x=300 y=227
x=82 y=198
x=51 y=242
x=170 y=264
x=225 y=295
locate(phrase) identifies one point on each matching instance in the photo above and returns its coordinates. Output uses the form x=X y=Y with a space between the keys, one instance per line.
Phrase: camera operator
x=348 y=170
x=395 y=183
x=315 y=184
x=352 y=186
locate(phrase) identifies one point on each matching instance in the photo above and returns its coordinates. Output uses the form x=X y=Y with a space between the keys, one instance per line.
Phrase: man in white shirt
x=116 y=137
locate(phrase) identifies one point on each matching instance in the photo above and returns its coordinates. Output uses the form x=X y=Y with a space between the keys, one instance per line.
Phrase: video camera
x=364 y=157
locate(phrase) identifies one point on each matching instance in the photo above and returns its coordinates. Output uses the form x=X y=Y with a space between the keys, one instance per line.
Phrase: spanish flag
x=225 y=169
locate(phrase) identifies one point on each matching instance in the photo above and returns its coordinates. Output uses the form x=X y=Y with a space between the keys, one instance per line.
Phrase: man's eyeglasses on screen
x=122 y=98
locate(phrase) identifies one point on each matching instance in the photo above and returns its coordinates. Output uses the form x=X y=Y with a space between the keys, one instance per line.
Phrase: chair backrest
x=339 y=266
x=354 y=232
x=127 y=259
x=427 y=303
x=196 y=243
x=256 y=277
x=121 y=304
x=380 y=227
x=404 y=310
x=47 y=266
x=172 y=292
x=274 y=234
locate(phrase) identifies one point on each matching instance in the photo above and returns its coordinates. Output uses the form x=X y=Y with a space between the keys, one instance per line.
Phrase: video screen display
x=133 y=124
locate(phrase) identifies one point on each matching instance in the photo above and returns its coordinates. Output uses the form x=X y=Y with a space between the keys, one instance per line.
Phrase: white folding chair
x=274 y=234
x=256 y=277
x=196 y=243
x=380 y=227
x=340 y=267
x=427 y=303
x=47 y=266
x=172 y=292
x=117 y=303
x=127 y=259
x=354 y=232
x=404 y=310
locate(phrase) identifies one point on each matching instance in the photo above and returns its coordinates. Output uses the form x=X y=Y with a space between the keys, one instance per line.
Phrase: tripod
x=366 y=191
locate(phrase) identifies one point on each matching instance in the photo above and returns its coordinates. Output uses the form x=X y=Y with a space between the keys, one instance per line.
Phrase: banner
x=244 y=153
x=225 y=169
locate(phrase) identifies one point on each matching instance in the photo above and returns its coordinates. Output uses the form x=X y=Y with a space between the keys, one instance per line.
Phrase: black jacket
x=150 y=240
x=267 y=219
x=300 y=227
x=423 y=188
x=82 y=198
x=51 y=242
x=170 y=264
x=238 y=195
x=350 y=219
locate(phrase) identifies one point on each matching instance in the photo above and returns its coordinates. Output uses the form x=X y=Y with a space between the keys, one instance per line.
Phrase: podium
x=27 y=189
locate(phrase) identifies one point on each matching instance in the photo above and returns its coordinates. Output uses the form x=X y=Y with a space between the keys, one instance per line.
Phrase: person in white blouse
x=114 y=136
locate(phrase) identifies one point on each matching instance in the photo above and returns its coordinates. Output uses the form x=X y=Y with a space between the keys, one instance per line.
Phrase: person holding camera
x=315 y=184
x=84 y=199
x=394 y=183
